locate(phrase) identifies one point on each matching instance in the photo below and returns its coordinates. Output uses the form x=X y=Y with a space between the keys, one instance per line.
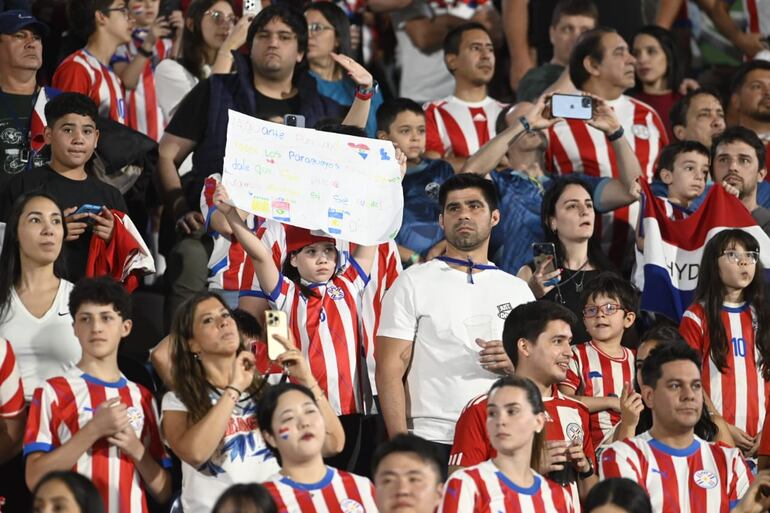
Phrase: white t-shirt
x=435 y=306
x=44 y=346
x=241 y=457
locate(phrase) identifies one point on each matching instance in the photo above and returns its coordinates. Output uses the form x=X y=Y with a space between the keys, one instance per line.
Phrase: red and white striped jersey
x=566 y=419
x=229 y=266
x=757 y=16
x=593 y=373
x=65 y=404
x=459 y=128
x=326 y=326
x=385 y=269
x=337 y=492
x=144 y=114
x=11 y=390
x=82 y=73
x=483 y=488
x=702 y=477
x=575 y=147
x=739 y=394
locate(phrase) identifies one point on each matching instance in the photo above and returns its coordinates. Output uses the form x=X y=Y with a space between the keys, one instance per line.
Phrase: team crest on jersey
x=335 y=292
x=575 y=432
x=503 y=310
x=351 y=506
x=641 y=131
x=135 y=419
x=431 y=190
x=705 y=479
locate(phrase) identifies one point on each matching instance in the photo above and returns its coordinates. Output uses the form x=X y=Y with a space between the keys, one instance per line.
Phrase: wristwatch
x=588 y=473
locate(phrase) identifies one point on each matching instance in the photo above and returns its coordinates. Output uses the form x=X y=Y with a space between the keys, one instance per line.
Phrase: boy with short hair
x=105 y=25
x=92 y=419
x=72 y=135
x=602 y=370
x=684 y=168
x=402 y=121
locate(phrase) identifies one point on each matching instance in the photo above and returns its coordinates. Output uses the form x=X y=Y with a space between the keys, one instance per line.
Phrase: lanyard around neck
x=468 y=264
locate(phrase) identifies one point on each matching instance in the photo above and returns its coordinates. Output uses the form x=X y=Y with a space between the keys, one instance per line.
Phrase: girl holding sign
x=728 y=323
x=322 y=304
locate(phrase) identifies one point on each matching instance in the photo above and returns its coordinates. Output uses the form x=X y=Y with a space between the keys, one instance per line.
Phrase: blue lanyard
x=467 y=263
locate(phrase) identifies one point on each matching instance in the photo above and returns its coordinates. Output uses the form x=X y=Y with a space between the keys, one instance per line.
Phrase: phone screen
x=541 y=252
x=571 y=106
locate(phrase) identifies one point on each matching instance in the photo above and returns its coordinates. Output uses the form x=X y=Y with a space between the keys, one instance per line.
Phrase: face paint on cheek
x=283 y=433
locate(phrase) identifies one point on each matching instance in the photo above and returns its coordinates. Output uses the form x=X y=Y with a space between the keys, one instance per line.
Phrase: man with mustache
x=738 y=161
x=438 y=341
x=750 y=98
x=457 y=126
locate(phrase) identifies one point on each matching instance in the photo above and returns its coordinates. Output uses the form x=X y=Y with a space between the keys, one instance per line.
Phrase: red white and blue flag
x=673 y=248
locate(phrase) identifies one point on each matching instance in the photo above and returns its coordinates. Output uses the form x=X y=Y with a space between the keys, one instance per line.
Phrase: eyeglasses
x=608 y=309
x=125 y=11
x=315 y=28
x=736 y=257
x=220 y=18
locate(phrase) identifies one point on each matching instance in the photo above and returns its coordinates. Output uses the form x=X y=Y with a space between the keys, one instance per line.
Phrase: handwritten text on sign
x=349 y=187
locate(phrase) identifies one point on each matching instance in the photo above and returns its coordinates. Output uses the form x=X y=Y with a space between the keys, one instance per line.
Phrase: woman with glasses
x=567 y=217
x=329 y=34
x=728 y=323
x=209 y=420
x=211 y=33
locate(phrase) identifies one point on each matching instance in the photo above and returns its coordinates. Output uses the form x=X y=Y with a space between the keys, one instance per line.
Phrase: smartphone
x=88 y=209
x=251 y=7
x=297 y=120
x=572 y=106
x=541 y=252
x=276 y=324
x=166 y=8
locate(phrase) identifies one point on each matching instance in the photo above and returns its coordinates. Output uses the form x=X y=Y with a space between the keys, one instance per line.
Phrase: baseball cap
x=297 y=238
x=17 y=19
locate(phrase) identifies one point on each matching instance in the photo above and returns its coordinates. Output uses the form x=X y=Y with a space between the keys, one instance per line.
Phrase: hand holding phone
x=571 y=106
x=276 y=323
x=89 y=209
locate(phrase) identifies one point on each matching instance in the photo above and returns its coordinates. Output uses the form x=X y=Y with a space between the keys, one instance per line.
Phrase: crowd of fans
x=509 y=350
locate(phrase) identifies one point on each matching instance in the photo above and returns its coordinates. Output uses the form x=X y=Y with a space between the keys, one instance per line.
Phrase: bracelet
x=144 y=53
x=366 y=92
x=414 y=258
x=525 y=123
x=617 y=134
x=588 y=473
x=238 y=392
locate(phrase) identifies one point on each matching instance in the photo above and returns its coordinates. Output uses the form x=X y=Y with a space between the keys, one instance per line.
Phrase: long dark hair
x=10 y=258
x=83 y=490
x=674 y=71
x=535 y=400
x=190 y=381
x=596 y=256
x=193 y=45
x=710 y=292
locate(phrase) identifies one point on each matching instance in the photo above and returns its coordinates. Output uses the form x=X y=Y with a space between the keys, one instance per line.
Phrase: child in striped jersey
x=515 y=423
x=92 y=419
x=135 y=61
x=602 y=368
x=728 y=323
x=294 y=428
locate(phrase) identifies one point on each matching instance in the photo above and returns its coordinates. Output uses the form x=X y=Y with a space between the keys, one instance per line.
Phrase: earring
x=196 y=356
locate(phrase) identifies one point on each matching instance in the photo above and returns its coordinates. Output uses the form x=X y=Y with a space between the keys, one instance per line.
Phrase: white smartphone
x=571 y=106
x=251 y=7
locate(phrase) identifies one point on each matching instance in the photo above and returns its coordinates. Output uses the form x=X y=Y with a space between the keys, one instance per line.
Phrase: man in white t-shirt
x=442 y=320
x=458 y=125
